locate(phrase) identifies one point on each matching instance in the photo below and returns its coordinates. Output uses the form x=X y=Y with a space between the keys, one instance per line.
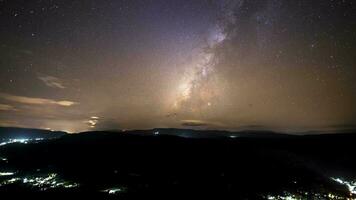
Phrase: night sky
x=229 y=64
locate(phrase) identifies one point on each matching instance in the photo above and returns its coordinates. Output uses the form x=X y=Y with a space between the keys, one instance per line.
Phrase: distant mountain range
x=21 y=133
x=191 y=133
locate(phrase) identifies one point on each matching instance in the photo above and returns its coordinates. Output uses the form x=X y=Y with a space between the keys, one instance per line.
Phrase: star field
x=230 y=64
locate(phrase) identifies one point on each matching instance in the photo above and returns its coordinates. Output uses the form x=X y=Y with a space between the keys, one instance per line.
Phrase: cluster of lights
x=114 y=190
x=6 y=173
x=49 y=181
x=10 y=181
x=285 y=196
x=22 y=141
x=3 y=159
x=351 y=185
x=306 y=195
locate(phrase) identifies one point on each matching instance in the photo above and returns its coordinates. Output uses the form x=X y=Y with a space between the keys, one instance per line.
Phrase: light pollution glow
x=230 y=64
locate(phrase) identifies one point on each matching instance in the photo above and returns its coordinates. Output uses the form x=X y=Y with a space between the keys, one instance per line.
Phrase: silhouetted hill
x=176 y=162
x=191 y=133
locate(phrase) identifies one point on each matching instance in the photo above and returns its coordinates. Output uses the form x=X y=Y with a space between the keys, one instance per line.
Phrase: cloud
x=52 y=82
x=92 y=122
x=193 y=123
x=200 y=123
x=105 y=124
x=9 y=123
x=36 y=101
x=5 y=107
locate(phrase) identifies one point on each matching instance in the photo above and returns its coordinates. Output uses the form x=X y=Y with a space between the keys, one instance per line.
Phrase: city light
x=351 y=186
x=21 y=141
x=6 y=173
x=43 y=182
x=114 y=190
x=3 y=159
x=306 y=195
x=9 y=181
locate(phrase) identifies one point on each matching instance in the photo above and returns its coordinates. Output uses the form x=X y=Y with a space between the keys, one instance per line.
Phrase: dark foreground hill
x=145 y=164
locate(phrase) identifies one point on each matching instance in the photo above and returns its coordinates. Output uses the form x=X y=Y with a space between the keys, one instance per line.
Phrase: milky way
x=230 y=64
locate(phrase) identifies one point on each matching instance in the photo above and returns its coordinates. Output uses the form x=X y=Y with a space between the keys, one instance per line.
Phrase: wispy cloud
x=93 y=121
x=200 y=123
x=52 y=81
x=193 y=123
x=5 y=107
x=36 y=101
x=8 y=123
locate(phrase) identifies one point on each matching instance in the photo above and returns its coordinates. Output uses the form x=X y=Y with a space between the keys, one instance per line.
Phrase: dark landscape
x=159 y=163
